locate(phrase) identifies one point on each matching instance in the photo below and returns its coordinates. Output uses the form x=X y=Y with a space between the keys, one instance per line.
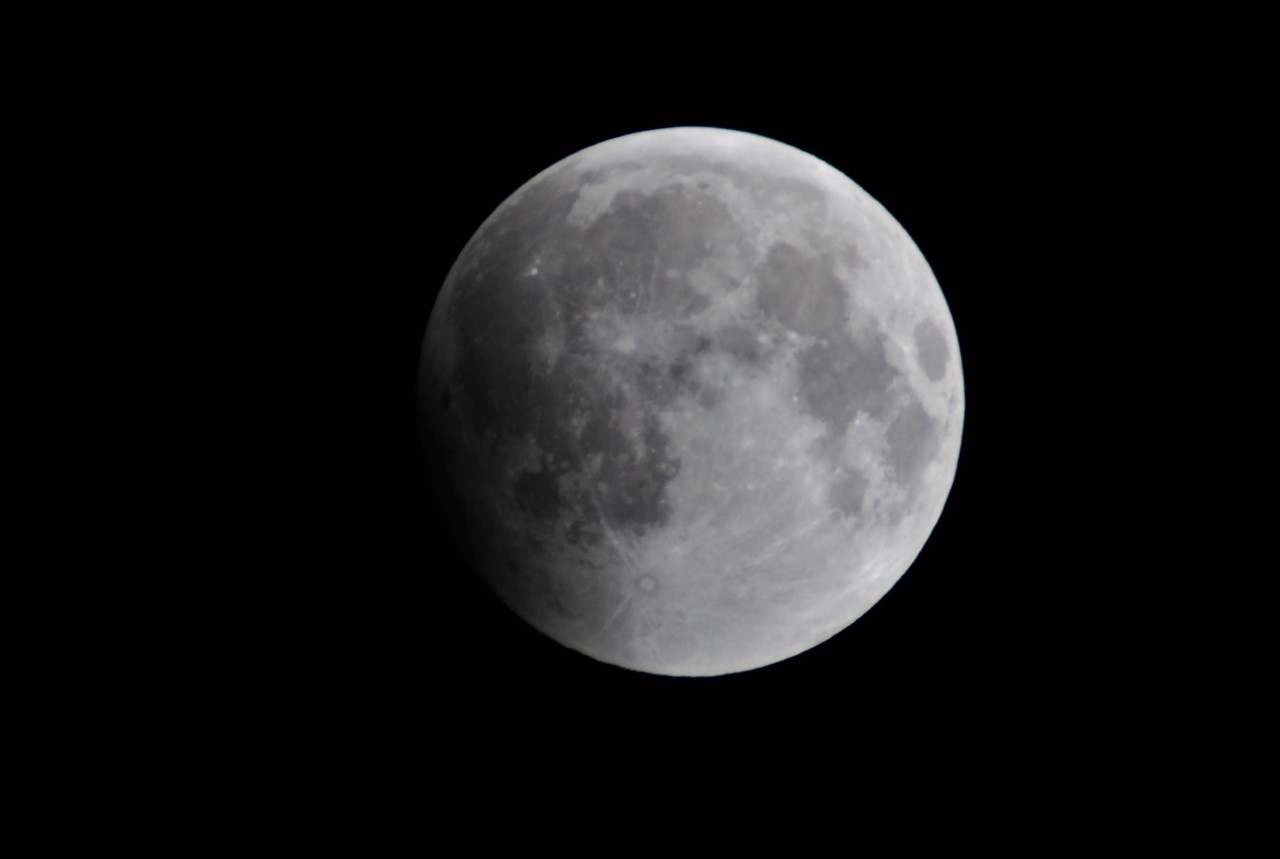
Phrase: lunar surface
x=697 y=399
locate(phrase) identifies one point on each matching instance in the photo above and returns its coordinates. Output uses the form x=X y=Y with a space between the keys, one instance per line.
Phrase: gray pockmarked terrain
x=698 y=398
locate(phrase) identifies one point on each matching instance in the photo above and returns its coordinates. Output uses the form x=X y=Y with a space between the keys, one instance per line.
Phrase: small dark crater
x=679 y=371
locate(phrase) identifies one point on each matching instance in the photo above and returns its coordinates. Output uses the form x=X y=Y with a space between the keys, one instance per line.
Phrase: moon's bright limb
x=698 y=398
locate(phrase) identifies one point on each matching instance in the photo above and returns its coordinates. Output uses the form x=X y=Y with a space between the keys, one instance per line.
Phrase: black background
x=364 y=174
x=271 y=624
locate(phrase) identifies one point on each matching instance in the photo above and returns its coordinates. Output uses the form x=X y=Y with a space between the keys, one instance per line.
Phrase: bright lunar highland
x=696 y=399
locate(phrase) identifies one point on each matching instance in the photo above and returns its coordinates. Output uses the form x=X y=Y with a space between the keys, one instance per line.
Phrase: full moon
x=696 y=399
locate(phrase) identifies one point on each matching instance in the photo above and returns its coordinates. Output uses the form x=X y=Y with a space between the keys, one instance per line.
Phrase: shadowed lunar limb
x=698 y=399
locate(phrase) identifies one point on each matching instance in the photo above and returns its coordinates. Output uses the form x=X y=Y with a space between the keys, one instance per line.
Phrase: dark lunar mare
x=587 y=407
x=633 y=260
x=931 y=349
x=842 y=374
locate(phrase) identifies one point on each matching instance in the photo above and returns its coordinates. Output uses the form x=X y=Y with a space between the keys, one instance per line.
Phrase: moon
x=696 y=399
